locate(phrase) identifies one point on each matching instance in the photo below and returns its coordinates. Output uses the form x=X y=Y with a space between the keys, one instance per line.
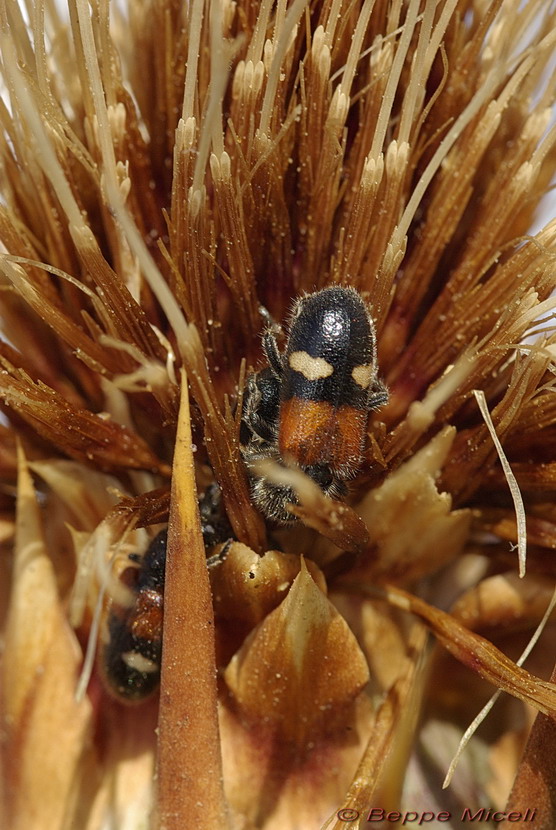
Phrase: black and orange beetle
x=311 y=404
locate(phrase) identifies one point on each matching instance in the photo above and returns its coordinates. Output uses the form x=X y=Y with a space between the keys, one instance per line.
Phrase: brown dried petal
x=412 y=525
x=299 y=667
x=247 y=587
x=504 y=601
x=44 y=728
x=295 y=726
x=382 y=766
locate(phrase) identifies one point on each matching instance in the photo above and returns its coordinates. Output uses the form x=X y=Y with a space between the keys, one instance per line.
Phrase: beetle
x=131 y=653
x=130 y=657
x=311 y=404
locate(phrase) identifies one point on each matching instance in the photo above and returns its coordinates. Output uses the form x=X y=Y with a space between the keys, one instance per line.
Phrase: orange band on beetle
x=147 y=617
x=315 y=432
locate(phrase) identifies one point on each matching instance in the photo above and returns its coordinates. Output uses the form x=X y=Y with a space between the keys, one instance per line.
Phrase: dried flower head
x=172 y=174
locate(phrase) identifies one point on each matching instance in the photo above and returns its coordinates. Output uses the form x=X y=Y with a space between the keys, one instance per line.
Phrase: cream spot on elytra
x=134 y=660
x=312 y=368
x=363 y=375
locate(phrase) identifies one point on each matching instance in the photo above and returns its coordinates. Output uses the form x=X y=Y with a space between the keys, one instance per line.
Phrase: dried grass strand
x=512 y=483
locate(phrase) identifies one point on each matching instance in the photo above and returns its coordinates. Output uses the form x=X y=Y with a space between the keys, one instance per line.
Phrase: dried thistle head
x=167 y=169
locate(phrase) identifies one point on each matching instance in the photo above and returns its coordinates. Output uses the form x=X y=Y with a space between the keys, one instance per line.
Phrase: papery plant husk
x=172 y=174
